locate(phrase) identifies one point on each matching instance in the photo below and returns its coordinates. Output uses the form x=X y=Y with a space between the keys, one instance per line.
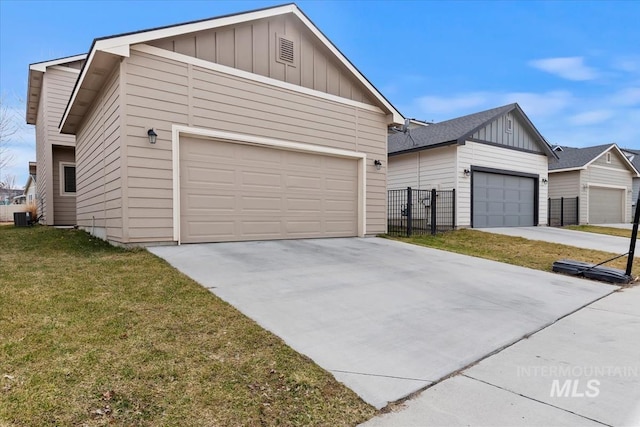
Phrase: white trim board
x=238 y=138
x=42 y=66
x=163 y=53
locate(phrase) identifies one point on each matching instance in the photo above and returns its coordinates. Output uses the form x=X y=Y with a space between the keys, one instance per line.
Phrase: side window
x=67 y=178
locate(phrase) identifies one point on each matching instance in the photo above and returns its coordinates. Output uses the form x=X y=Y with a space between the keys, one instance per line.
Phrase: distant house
x=50 y=85
x=496 y=160
x=30 y=188
x=7 y=195
x=600 y=176
x=251 y=126
x=634 y=158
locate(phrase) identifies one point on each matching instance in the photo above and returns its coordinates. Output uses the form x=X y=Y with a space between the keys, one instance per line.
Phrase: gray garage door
x=606 y=205
x=502 y=200
x=233 y=192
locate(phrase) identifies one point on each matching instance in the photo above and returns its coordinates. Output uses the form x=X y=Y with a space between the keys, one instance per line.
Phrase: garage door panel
x=606 y=205
x=264 y=193
x=502 y=200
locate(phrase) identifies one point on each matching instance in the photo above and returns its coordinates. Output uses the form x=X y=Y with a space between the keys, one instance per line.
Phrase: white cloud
x=627 y=97
x=591 y=117
x=540 y=104
x=570 y=67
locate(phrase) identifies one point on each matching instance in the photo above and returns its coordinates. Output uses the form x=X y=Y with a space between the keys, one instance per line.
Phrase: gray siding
x=425 y=170
x=43 y=159
x=496 y=132
x=98 y=172
x=598 y=176
x=252 y=47
x=564 y=184
x=65 y=205
x=617 y=162
x=161 y=92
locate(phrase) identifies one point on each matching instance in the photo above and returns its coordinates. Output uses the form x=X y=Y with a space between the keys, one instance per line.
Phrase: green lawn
x=95 y=335
x=513 y=250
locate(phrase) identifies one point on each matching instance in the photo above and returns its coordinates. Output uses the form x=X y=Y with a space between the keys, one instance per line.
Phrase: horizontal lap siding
x=208 y=99
x=564 y=184
x=58 y=85
x=98 y=172
x=484 y=155
x=425 y=170
x=157 y=96
x=43 y=159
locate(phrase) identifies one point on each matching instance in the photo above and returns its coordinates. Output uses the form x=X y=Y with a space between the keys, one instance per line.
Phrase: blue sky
x=573 y=66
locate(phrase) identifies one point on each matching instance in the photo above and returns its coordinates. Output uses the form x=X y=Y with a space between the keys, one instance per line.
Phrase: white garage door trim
x=237 y=138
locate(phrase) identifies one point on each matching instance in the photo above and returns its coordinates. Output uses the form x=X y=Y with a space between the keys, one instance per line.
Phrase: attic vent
x=508 y=125
x=285 y=50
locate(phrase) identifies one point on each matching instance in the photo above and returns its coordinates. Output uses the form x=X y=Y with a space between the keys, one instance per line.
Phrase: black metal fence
x=563 y=211
x=415 y=212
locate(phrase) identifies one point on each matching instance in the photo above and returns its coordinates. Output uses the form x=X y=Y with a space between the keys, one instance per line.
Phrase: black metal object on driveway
x=596 y=271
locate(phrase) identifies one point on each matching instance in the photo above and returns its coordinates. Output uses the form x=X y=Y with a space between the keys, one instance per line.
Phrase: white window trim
x=61 y=178
x=238 y=138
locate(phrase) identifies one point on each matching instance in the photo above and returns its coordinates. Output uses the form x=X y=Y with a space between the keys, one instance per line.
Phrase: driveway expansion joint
x=382 y=376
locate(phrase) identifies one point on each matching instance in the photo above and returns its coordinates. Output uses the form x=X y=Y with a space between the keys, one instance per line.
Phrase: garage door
x=606 y=205
x=502 y=200
x=234 y=192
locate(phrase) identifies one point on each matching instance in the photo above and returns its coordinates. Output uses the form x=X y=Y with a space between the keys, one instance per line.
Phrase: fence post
x=453 y=204
x=561 y=211
x=549 y=211
x=577 y=210
x=434 y=217
x=409 y=212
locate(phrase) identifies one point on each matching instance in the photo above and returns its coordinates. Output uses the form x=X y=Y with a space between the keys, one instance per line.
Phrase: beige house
x=50 y=85
x=496 y=160
x=602 y=179
x=264 y=131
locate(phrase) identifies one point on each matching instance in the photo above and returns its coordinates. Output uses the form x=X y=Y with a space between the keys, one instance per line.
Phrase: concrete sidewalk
x=584 y=370
x=578 y=239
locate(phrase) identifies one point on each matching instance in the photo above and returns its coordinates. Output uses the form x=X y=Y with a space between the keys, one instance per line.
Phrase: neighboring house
x=50 y=85
x=264 y=131
x=30 y=188
x=7 y=195
x=496 y=160
x=600 y=176
x=634 y=158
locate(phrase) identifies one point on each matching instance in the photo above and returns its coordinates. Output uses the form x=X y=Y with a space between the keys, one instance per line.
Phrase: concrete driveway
x=579 y=239
x=384 y=317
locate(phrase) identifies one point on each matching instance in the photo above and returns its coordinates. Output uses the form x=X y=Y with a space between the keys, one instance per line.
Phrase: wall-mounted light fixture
x=466 y=172
x=152 y=136
x=377 y=164
x=544 y=181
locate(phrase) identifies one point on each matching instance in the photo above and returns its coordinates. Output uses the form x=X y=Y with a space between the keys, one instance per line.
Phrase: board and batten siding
x=424 y=170
x=57 y=84
x=597 y=175
x=65 y=204
x=161 y=92
x=253 y=47
x=519 y=137
x=489 y=156
x=98 y=160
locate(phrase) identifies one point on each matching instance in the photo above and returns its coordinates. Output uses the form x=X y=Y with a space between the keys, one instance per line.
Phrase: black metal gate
x=414 y=212
x=563 y=211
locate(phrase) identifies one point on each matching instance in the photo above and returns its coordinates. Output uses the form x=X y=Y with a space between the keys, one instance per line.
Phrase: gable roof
x=635 y=157
x=457 y=131
x=36 y=70
x=570 y=158
x=106 y=51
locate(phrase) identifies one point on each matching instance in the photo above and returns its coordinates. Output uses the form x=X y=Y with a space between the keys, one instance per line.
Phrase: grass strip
x=94 y=335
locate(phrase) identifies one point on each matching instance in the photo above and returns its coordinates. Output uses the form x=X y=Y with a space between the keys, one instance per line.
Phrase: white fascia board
x=42 y=66
x=567 y=169
x=172 y=31
x=397 y=118
x=76 y=88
